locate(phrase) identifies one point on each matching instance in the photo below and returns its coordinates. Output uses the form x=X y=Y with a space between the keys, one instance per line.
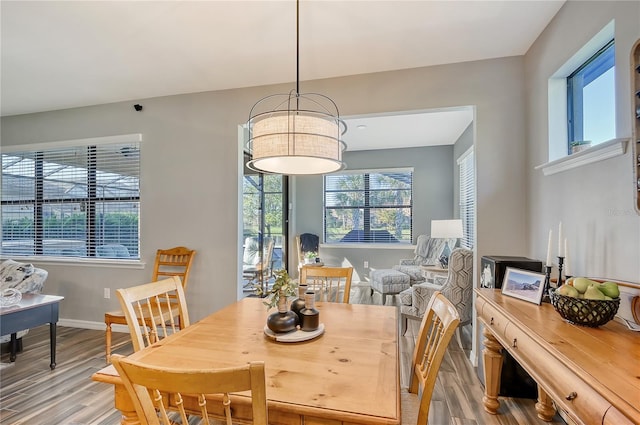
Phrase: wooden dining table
x=349 y=374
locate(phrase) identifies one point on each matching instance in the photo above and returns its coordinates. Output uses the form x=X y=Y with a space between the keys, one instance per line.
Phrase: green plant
x=311 y=255
x=283 y=286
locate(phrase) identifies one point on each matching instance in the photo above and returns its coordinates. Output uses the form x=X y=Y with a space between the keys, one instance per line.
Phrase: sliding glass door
x=265 y=221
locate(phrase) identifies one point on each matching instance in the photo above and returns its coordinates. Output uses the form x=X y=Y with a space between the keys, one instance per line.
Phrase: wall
x=594 y=202
x=432 y=199
x=190 y=151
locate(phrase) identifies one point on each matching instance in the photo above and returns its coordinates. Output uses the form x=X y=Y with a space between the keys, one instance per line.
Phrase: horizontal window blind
x=369 y=207
x=467 y=198
x=77 y=201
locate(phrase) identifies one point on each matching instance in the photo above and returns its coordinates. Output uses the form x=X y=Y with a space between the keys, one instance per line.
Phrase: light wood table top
x=348 y=374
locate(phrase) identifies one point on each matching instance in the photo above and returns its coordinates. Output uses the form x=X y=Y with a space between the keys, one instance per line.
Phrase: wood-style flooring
x=32 y=394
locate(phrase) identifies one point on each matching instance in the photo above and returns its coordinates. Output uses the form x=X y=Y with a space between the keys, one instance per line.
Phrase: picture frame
x=523 y=284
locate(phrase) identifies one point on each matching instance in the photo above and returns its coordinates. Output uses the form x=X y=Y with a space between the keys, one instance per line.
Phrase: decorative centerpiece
x=586 y=302
x=283 y=320
x=9 y=297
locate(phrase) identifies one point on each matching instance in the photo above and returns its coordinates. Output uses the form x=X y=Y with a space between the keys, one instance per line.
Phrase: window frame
x=367 y=207
x=467 y=198
x=594 y=67
x=129 y=141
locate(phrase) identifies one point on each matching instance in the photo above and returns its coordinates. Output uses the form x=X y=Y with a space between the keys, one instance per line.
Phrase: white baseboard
x=85 y=324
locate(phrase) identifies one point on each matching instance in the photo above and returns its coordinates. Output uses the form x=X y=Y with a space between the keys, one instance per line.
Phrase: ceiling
x=64 y=54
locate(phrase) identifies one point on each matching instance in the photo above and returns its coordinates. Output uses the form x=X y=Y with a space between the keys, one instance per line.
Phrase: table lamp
x=446 y=229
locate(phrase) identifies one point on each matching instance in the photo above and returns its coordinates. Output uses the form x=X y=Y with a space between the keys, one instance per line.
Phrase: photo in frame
x=523 y=284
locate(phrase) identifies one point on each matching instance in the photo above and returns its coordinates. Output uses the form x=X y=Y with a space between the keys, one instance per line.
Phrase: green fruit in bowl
x=582 y=283
x=568 y=290
x=610 y=289
x=592 y=293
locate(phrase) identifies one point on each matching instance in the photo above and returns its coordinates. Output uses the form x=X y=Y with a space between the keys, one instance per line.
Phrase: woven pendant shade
x=296 y=133
x=296 y=142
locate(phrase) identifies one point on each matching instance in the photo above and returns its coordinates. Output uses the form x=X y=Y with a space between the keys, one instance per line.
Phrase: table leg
x=544 y=406
x=492 y=356
x=13 y=347
x=52 y=344
x=125 y=405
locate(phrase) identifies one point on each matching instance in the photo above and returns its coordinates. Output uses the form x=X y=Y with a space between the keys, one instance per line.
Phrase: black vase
x=298 y=304
x=282 y=322
x=309 y=316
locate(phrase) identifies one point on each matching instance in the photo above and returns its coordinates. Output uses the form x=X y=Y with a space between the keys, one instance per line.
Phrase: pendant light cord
x=297 y=49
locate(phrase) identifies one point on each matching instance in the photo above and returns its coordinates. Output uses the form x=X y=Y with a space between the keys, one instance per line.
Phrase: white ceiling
x=63 y=54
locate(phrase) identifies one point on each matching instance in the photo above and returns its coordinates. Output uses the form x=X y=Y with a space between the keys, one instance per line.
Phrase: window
x=591 y=99
x=75 y=200
x=370 y=207
x=467 y=198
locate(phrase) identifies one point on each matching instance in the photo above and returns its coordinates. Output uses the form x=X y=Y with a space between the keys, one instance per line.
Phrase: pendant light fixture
x=296 y=133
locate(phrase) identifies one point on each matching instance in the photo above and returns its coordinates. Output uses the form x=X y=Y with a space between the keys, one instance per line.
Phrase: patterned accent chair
x=458 y=288
x=25 y=278
x=427 y=253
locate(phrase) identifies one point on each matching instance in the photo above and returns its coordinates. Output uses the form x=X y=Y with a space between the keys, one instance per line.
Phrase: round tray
x=294 y=336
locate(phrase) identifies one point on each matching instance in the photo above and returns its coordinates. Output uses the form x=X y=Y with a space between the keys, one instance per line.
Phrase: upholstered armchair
x=23 y=277
x=427 y=252
x=458 y=288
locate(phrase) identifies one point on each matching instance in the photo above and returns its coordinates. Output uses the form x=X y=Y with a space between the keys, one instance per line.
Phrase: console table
x=591 y=374
x=32 y=310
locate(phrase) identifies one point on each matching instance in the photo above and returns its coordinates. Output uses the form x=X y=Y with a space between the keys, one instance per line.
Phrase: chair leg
x=459 y=336
x=108 y=342
x=403 y=324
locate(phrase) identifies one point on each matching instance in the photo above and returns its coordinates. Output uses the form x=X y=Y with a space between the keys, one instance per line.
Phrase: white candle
x=549 y=248
x=560 y=247
x=566 y=259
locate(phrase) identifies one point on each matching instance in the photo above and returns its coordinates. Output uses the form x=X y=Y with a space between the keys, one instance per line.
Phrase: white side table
x=435 y=274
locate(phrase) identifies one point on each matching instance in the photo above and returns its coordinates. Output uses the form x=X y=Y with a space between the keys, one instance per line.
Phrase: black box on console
x=493 y=268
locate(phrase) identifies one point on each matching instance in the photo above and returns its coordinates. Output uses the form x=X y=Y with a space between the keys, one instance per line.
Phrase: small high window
x=591 y=99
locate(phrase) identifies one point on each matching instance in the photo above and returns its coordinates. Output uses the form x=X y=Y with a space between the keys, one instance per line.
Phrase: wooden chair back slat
x=436 y=330
x=154 y=306
x=334 y=283
x=151 y=387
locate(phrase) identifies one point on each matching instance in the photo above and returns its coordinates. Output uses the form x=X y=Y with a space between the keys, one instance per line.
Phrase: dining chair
x=149 y=386
x=436 y=330
x=151 y=310
x=334 y=283
x=168 y=262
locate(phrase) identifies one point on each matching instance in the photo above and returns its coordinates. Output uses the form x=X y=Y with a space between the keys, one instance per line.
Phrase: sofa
x=24 y=277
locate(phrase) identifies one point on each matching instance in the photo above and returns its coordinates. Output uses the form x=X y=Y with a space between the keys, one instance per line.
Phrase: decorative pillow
x=22 y=276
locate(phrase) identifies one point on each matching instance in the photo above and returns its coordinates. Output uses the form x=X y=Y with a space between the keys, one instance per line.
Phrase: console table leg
x=544 y=406
x=492 y=356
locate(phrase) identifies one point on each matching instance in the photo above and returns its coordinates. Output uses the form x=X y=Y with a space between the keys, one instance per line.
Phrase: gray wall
x=594 y=202
x=432 y=199
x=190 y=150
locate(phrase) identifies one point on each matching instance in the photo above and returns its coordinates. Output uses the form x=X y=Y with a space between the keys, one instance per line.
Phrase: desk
x=589 y=373
x=32 y=310
x=350 y=374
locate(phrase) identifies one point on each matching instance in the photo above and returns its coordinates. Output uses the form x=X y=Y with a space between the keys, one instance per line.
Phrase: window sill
x=355 y=245
x=84 y=262
x=600 y=152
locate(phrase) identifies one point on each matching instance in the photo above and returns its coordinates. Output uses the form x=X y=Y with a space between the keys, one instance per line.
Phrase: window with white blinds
x=467 y=198
x=368 y=206
x=76 y=199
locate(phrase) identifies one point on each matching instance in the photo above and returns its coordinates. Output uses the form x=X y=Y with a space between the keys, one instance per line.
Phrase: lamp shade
x=446 y=229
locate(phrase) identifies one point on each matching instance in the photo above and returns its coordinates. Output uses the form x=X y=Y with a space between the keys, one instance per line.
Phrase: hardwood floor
x=30 y=393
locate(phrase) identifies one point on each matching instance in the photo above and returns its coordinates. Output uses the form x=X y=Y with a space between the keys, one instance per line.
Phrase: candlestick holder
x=560 y=262
x=547 y=284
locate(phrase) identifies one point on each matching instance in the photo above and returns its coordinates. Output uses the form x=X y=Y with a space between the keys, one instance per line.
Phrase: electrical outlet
x=366 y=264
x=107 y=292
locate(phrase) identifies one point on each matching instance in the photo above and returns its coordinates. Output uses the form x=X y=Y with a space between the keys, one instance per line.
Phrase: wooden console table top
x=593 y=374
